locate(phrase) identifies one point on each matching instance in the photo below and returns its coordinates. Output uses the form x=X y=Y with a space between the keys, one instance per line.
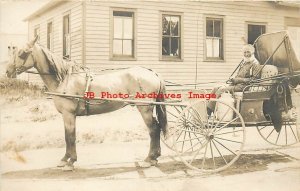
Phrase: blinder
x=23 y=55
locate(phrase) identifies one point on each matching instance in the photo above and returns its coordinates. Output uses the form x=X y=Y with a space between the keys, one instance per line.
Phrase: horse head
x=20 y=60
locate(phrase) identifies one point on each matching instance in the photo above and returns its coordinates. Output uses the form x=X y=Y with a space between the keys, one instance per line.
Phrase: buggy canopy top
x=276 y=49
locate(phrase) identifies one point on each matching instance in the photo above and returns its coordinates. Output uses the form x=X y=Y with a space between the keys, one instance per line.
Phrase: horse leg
x=154 y=132
x=70 y=138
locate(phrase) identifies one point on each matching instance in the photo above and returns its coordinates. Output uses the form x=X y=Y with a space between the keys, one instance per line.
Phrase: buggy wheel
x=173 y=112
x=209 y=143
x=286 y=136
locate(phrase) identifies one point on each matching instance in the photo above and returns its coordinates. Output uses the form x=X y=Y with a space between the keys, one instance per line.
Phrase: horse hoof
x=147 y=164
x=62 y=164
x=68 y=167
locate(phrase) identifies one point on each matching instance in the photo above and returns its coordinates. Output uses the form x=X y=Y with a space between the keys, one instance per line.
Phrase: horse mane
x=58 y=66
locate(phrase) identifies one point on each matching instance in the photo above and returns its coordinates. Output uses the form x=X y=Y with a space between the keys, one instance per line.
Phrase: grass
x=15 y=89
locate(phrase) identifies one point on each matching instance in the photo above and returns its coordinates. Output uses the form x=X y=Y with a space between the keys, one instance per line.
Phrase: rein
x=31 y=72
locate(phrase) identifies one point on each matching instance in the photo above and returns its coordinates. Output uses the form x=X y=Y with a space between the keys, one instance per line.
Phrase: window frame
x=64 y=45
x=52 y=33
x=255 y=23
x=111 y=32
x=162 y=57
x=214 y=59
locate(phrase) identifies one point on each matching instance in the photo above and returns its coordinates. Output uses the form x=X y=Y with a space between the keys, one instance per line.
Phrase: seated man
x=248 y=67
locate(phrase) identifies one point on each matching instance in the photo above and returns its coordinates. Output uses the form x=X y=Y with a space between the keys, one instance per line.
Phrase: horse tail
x=161 y=111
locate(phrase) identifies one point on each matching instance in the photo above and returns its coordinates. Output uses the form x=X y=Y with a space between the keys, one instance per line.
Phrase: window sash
x=214 y=39
x=214 y=47
x=66 y=36
x=123 y=34
x=171 y=36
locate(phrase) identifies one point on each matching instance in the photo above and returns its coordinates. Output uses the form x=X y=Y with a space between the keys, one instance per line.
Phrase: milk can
x=224 y=110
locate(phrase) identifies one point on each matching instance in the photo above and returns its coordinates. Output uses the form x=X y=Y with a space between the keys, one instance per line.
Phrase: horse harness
x=86 y=96
x=88 y=78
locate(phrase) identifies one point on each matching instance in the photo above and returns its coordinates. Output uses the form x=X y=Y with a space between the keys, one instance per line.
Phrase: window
x=66 y=37
x=171 y=36
x=123 y=34
x=214 y=39
x=255 y=31
x=49 y=36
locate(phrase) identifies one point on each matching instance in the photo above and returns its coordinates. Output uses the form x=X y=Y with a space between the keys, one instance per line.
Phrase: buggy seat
x=268 y=71
x=258 y=92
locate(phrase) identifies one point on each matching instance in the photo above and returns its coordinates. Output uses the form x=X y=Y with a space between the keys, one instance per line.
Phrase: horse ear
x=244 y=40
x=31 y=44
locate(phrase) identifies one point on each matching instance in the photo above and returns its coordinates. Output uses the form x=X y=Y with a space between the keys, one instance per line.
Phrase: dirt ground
x=110 y=148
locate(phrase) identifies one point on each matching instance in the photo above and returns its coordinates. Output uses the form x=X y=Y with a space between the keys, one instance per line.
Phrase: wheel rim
x=285 y=137
x=216 y=143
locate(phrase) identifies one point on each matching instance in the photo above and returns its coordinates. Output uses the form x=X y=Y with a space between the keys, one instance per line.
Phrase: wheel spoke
x=226 y=148
x=222 y=118
x=228 y=132
x=205 y=112
x=262 y=128
x=202 y=131
x=197 y=116
x=204 y=157
x=200 y=142
x=228 y=140
x=183 y=141
x=177 y=110
x=171 y=114
x=225 y=125
x=277 y=137
x=286 y=136
x=179 y=135
x=219 y=152
x=195 y=155
x=293 y=132
x=212 y=154
x=270 y=133
x=285 y=133
x=189 y=139
x=195 y=125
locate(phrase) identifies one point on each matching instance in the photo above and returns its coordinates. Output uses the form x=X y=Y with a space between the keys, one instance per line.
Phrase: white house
x=185 y=41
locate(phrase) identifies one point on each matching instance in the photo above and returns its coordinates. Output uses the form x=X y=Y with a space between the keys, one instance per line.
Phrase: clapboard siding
x=97 y=32
x=55 y=15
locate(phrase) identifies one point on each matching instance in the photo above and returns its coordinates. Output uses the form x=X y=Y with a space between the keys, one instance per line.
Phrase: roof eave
x=43 y=9
x=288 y=3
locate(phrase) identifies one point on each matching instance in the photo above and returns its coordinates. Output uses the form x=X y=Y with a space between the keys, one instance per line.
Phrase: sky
x=13 y=30
x=12 y=13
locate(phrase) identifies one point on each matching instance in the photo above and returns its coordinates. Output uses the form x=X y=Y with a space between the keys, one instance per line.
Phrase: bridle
x=24 y=56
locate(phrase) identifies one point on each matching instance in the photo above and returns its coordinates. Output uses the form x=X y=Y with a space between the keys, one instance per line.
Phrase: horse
x=70 y=78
